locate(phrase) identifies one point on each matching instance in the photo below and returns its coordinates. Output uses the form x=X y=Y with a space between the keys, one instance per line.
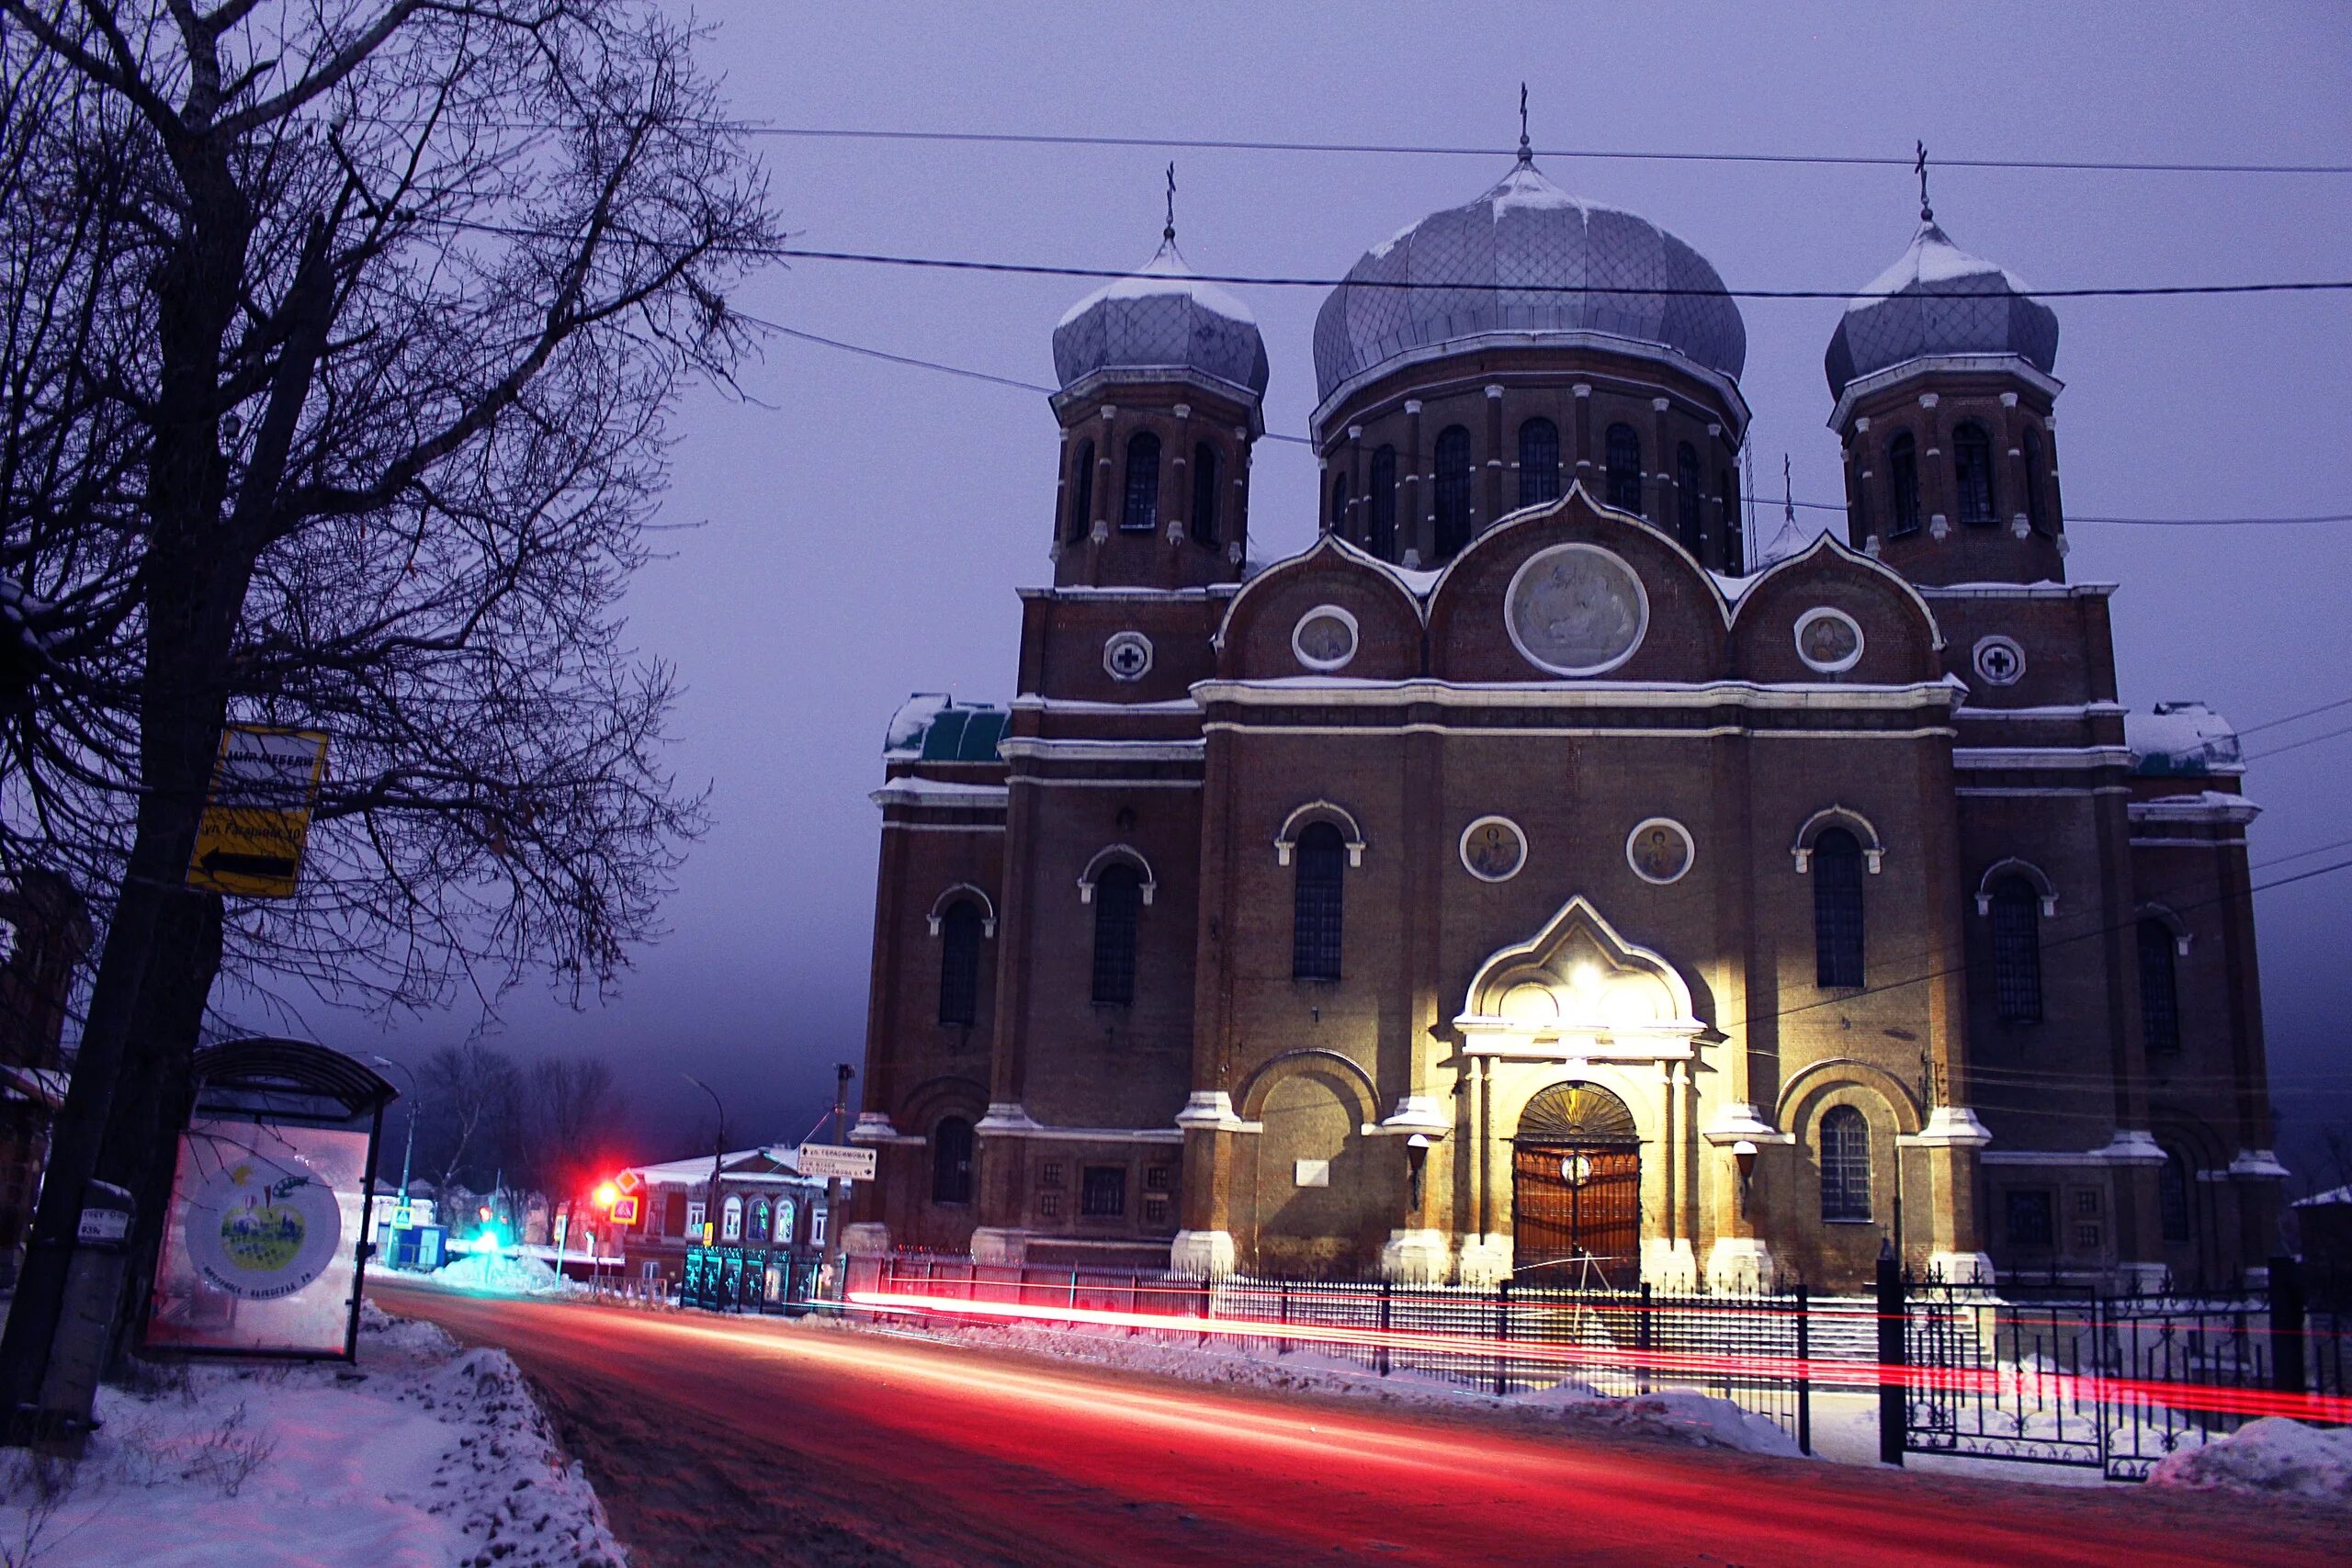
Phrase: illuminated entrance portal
x=1577 y=1190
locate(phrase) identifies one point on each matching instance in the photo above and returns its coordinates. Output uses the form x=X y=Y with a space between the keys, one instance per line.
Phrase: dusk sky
x=851 y=531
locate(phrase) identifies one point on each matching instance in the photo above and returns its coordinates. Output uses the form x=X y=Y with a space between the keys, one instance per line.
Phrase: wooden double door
x=1576 y=1214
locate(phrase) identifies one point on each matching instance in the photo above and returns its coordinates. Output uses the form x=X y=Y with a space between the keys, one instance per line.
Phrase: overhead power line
x=2307 y=713
x=2299 y=745
x=2155 y=522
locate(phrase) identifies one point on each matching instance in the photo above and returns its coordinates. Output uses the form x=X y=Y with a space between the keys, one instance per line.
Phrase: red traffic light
x=607 y=1195
x=485 y=1213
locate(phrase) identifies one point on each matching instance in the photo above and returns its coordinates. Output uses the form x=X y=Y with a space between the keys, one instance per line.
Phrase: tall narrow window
x=1623 y=451
x=730 y=1224
x=759 y=1231
x=2172 y=1196
x=959 y=963
x=1383 y=503
x=1082 y=493
x=2017 y=951
x=1903 y=485
x=1316 y=899
x=1837 y=863
x=1845 y=1165
x=1971 y=471
x=1143 y=482
x=1452 y=493
x=1686 y=496
x=1204 y=493
x=1339 y=506
x=1118 y=899
x=950 y=1161
x=2037 y=509
x=1539 y=462
x=2159 y=989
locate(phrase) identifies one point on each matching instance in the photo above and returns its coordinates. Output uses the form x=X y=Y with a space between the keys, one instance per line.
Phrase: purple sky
x=862 y=534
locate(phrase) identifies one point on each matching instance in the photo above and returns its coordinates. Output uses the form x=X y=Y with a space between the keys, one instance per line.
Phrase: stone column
x=1495 y=463
x=1939 y=496
x=1414 y=534
x=1582 y=433
x=1661 y=482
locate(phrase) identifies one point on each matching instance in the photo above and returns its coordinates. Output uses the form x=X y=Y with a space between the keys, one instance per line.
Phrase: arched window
x=1339 y=506
x=759 y=1231
x=1845 y=1165
x=1204 y=493
x=1316 y=900
x=2159 y=990
x=1623 y=450
x=1118 y=900
x=2172 y=1196
x=2037 y=510
x=1972 y=469
x=1383 y=503
x=1452 y=490
x=1082 y=493
x=1903 y=486
x=730 y=1224
x=950 y=1161
x=1539 y=462
x=1143 y=482
x=1837 y=866
x=1686 y=496
x=959 y=963
x=2015 y=913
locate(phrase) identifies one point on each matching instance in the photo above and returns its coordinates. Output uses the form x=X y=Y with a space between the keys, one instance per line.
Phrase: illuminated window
x=1082 y=493
x=2159 y=989
x=730 y=1220
x=1845 y=1165
x=1686 y=496
x=759 y=1231
x=1971 y=471
x=1383 y=503
x=696 y=1215
x=786 y=1212
x=1118 y=903
x=1204 y=493
x=1836 y=908
x=1539 y=462
x=1103 y=1192
x=1317 y=903
x=1143 y=482
x=1623 y=451
x=950 y=1161
x=817 y=1227
x=2017 y=951
x=959 y=963
x=1903 y=485
x=1452 y=495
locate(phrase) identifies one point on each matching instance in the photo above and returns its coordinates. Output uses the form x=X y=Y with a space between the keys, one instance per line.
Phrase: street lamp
x=717 y=1158
x=417 y=1098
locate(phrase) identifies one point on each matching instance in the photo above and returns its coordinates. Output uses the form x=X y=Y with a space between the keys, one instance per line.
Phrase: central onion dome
x=1526 y=230
x=1909 y=311
x=1158 y=321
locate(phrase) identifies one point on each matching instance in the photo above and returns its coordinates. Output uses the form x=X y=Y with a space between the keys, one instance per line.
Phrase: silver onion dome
x=1526 y=230
x=1937 y=301
x=1161 y=319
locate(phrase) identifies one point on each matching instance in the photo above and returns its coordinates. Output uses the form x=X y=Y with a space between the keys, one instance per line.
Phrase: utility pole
x=836 y=1211
x=718 y=1160
x=417 y=1101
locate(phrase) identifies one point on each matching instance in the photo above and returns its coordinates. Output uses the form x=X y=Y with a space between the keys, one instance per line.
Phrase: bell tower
x=1163 y=379
x=1945 y=408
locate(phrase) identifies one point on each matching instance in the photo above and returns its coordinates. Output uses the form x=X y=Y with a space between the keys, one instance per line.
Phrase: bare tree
x=340 y=339
x=574 y=1113
x=472 y=1098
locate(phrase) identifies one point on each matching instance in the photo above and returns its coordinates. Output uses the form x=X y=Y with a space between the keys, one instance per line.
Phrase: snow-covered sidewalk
x=425 y=1457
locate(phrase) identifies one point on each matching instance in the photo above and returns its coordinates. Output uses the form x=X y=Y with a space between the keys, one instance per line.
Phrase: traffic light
x=607 y=1195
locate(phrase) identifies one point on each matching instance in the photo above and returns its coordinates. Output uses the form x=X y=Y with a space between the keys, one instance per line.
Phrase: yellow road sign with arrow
x=258 y=816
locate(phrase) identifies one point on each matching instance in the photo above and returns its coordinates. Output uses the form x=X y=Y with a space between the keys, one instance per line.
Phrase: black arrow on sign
x=221 y=863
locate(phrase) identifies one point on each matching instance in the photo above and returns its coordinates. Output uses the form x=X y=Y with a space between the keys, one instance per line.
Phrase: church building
x=1528 y=880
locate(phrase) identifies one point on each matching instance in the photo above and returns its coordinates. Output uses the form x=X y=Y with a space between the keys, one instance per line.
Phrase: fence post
x=1892 y=1318
x=1502 y=1336
x=2287 y=1325
x=1282 y=1341
x=1641 y=1342
x=1804 y=1370
x=1380 y=1357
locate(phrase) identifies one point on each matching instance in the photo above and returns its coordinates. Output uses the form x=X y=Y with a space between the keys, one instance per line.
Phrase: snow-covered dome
x=1161 y=318
x=1526 y=230
x=1909 y=311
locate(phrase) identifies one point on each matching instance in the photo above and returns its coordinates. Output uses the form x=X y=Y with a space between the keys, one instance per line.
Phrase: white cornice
x=937 y=796
x=2019 y=590
x=2053 y=711
x=1722 y=385
x=2211 y=806
x=1334 y=692
x=1076 y=590
x=2031 y=757
x=1861 y=387
x=1022 y=747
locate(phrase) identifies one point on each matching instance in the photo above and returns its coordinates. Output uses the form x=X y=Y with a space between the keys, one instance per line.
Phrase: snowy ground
x=423 y=1456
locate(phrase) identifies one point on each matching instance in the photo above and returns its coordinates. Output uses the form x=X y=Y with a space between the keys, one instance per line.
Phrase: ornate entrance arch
x=1576 y=1189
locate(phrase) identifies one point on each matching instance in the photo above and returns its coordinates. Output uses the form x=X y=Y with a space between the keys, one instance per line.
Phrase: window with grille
x=2031 y=1216
x=1903 y=485
x=1082 y=493
x=1159 y=1179
x=2036 y=505
x=1204 y=493
x=1103 y=1192
x=1155 y=1208
x=1118 y=902
x=1320 y=864
x=2017 y=951
x=1837 y=866
x=1049 y=1205
x=1622 y=449
x=1845 y=1165
x=950 y=1161
x=1050 y=1174
x=1143 y=482
x=1539 y=462
x=959 y=963
x=1971 y=471
x=1452 y=495
x=1383 y=503
x=2159 y=989
x=2172 y=1196
x=1686 y=496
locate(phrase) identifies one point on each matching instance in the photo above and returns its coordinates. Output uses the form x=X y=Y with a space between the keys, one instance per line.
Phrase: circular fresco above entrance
x=1659 y=851
x=1493 y=848
x=1325 y=638
x=1576 y=610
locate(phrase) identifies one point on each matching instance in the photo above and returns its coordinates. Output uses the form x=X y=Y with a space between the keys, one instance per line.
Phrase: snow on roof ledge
x=2182 y=739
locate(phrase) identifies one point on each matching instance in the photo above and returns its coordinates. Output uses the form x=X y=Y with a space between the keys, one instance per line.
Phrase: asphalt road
x=751 y=1442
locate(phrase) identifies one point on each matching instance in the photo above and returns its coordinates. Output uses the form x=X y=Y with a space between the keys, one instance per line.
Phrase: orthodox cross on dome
x=1788 y=496
x=1169 y=233
x=1526 y=152
x=1919 y=165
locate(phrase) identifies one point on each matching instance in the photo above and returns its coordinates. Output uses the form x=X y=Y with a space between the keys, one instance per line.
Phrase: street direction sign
x=264 y=783
x=828 y=1161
